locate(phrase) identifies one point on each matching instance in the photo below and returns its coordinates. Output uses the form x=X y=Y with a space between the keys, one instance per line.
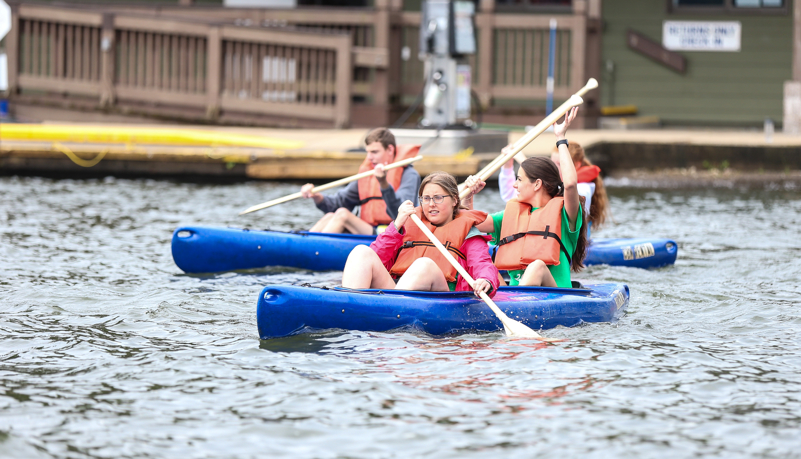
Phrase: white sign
x=701 y=35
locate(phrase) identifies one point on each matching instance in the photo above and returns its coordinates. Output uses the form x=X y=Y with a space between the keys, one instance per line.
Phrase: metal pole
x=549 y=82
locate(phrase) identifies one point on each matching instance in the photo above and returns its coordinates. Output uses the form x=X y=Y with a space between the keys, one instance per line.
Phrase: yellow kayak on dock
x=139 y=135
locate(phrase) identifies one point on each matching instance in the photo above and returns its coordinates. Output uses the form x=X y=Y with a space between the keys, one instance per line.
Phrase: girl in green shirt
x=538 y=182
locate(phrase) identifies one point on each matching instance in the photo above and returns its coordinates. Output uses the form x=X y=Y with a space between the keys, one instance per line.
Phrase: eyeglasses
x=436 y=198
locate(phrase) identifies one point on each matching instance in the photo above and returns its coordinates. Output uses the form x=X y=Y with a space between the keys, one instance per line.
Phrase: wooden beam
x=797 y=40
x=66 y=15
x=653 y=50
x=12 y=50
x=59 y=85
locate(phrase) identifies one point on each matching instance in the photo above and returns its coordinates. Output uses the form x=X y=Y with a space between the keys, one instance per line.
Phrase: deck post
x=344 y=77
x=213 y=73
x=107 y=57
x=486 y=36
x=12 y=50
x=791 y=121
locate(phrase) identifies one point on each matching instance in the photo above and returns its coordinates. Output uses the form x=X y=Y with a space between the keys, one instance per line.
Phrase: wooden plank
x=64 y=15
x=174 y=63
x=182 y=64
x=342 y=79
x=86 y=53
x=94 y=71
x=280 y=37
x=538 y=76
x=527 y=92
x=213 y=71
x=52 y=50
x=59 y=51
x=192 y=64
x=59 y=85
x=261 y=72
x=69 y=56
x=150 y=60
x=158 y=60
x=520 y=49
x=655 y=51
x=370 y=57
x=310 y=111
x=140 y=59
x=486 y=53
x=77 y=52
x=160 y=96
x=228 y=69
x=532 y=21
x=303 y=76
x=578 y=38
x=254 y=71
x=160 y=25
x=35 y=48
x=236 y=60
x=131 y=57
x=201 y=65
x=314 y=76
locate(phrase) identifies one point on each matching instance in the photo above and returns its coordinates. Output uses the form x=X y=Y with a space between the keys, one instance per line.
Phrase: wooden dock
x=323 y=154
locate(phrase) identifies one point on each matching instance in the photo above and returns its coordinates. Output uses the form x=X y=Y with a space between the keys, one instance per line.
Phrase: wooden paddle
x=510 y=326
x=327 y=186
x=543 y=125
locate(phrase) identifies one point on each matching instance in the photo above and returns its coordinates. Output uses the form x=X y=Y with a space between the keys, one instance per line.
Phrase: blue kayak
x=198 y=249
x=285 y=310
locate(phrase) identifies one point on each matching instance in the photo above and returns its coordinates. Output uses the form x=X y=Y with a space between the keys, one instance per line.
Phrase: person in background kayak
x=403 y=258
x=378 y=197
x=590 y=184
x=541 y=234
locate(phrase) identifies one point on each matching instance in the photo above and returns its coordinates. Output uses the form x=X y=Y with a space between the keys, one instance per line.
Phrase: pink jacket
x=477 y=260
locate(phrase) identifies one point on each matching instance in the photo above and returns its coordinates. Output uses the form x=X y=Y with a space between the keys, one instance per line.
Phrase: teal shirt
x=560 y=272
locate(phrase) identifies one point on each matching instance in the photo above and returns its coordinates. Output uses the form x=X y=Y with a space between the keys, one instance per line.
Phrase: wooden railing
x=202 y=66
x=301 y=65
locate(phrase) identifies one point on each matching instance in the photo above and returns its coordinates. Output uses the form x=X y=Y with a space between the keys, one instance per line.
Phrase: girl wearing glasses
x=541 y=234
x=403 y=258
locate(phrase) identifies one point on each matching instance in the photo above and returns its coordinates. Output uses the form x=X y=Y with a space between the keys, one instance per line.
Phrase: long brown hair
x=542 y=168
x=599 y=206
x=448 y=183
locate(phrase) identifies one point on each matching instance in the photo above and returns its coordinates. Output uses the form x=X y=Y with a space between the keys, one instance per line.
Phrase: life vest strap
x=545 y=235
x=366 y=200
x=411 y=244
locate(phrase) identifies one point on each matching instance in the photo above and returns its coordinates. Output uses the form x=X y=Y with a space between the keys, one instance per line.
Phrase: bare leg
x=344 y=219
x=537 y=274
x=423 y=274
x=318 y=227
x=365 y=270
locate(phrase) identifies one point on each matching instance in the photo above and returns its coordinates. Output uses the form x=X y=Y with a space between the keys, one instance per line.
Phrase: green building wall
x=718 y=89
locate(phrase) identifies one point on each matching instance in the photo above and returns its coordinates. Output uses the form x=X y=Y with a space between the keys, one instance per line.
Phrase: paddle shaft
x=327 y=186
x=543 y=125
x=463 y=272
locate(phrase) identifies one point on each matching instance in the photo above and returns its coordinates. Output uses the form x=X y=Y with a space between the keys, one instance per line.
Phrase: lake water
x=107 y=350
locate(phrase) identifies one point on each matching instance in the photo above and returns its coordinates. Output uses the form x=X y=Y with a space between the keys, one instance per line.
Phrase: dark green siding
x=718 y=88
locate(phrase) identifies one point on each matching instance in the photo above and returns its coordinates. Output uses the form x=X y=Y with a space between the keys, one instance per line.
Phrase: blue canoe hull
x=198 y=249
x=287 y=310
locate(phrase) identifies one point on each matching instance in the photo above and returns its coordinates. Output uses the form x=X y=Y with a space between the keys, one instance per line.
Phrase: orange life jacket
x=587 y=174
x=527 y=236
x=373 y=208
x=417 y=245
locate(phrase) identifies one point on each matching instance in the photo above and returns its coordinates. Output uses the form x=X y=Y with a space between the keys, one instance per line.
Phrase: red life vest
x=452 y=235
x=373 y=208
x=587 y=174
x=527 y=236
